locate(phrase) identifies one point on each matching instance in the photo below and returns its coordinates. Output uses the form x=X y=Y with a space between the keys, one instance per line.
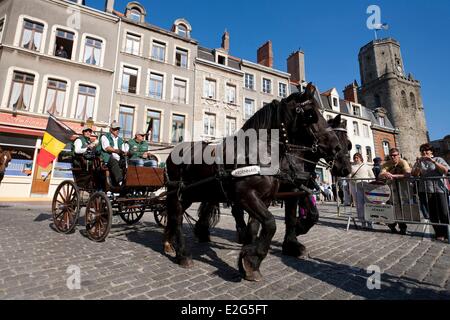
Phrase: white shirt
x=105 y=145
x=79 y=147
x=362 y=171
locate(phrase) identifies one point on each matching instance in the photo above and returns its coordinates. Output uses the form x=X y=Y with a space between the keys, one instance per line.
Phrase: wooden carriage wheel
x=66 y=207
x=98 y=217
x=132 y=213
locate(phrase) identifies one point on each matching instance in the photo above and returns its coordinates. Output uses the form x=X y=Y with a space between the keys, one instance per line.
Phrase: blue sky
x=330 y=33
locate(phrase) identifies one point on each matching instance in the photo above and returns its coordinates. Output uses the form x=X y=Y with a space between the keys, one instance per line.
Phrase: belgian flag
x=56 y=137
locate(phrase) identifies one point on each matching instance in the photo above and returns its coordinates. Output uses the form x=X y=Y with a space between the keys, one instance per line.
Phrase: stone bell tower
x=384 y=84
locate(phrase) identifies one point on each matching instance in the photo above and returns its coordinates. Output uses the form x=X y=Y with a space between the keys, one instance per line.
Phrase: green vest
x=105 y=155
x=84 y=143
x=137 y=149
x=76 y=158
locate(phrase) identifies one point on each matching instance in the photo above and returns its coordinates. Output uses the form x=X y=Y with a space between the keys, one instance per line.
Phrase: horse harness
x=291 y=175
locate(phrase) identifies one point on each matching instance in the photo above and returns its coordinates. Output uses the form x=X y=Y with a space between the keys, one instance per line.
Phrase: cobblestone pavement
x=130 y=264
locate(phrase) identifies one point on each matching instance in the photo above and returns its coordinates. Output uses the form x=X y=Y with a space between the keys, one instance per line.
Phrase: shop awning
x=23 y=131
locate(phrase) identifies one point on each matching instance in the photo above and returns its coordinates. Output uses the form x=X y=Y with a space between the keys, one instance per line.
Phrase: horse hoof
x=247 y=271
x=254 y=276
x=168 y=249
x=186 y=263
x=295 y=250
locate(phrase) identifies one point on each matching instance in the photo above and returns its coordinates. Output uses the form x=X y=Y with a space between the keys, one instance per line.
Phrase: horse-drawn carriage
x=93 y=190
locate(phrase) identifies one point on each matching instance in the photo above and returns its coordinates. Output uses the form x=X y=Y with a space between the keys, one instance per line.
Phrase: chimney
x=109 y=6
x=226 y=41
x=351 y=92
x=296 y=66
x=265 y=54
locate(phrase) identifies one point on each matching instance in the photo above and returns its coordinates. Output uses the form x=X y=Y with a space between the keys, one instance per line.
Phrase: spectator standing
x=397 y=169
x=341 y=190
x=360 y=172
x=433 y=192
x=62 y=53
x=334 y=189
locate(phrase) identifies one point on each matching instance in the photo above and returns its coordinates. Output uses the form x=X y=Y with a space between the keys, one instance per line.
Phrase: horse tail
x=209 y=212
x=209 y=216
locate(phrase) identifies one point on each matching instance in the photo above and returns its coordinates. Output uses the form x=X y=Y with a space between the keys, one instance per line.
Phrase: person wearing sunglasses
x=397 y=169
x=113 y=148
x=433 y=193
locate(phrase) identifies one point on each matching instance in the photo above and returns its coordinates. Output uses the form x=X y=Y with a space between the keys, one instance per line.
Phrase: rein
x=314 y=149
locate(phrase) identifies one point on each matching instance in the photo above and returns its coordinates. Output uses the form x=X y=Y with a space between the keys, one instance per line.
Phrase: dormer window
x=135 y=15
x=135 y=12
x=182 y=31
x=182 y=28
x=382 y=121
x=221 y=60
x=335 y=102
x=356 y=111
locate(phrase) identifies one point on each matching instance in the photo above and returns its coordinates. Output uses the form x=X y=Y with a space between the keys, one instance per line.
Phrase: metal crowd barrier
x=417 y=201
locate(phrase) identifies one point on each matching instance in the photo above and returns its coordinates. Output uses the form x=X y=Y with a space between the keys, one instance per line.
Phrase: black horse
x=299 y=119
x=296 y=224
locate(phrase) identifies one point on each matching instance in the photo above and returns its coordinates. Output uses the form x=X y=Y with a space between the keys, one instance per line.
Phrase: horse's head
x=342 y=165
x=5 y=159
x=311 y=130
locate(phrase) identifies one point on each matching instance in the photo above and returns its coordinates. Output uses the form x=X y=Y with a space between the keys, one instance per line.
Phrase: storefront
x=22 y=136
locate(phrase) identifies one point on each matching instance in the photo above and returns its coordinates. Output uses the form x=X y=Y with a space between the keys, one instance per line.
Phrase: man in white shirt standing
x=113 y=147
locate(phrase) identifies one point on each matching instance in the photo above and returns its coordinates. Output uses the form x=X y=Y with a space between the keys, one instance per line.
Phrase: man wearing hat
x=140 y=157
x=82 y=147
x=112 y=148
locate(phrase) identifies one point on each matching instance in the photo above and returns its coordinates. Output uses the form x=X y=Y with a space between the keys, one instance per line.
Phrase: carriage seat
x=142 y=177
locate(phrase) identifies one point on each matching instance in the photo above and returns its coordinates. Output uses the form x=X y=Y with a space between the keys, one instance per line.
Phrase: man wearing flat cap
x=83 y=147
x=140 y=156
x=113 y=147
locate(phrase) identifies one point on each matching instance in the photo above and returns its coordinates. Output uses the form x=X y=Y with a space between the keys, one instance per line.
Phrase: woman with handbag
x=360 y=172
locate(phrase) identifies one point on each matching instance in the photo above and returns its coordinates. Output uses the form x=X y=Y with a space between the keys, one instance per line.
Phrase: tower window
x=377 y=101
x=404 y=100
x=412 y=97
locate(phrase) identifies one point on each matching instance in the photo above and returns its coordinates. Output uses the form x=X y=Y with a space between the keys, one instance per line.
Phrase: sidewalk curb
x=25 y=200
